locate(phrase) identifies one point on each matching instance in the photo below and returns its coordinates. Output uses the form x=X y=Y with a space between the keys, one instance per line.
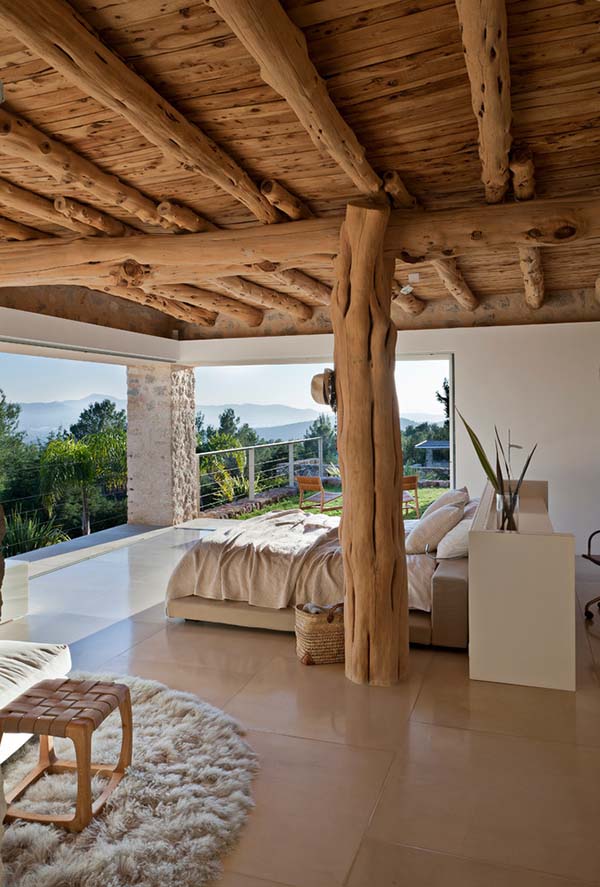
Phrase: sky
x=24 y=378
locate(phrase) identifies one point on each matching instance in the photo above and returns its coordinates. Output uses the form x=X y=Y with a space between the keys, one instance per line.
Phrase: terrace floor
x=439 y=781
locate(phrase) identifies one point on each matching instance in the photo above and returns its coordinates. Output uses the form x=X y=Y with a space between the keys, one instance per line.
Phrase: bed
x=253 y=573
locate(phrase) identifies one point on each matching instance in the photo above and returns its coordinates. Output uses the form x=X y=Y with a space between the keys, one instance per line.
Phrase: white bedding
x=279 y=559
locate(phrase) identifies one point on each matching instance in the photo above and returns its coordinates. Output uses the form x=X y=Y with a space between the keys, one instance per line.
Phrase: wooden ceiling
x=398 y=76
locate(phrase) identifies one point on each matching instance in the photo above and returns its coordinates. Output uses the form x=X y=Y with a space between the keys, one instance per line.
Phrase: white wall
x=541 y=381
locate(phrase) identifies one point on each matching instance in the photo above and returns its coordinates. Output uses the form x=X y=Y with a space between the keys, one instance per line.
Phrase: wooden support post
x=530 y=261
x=370 y=451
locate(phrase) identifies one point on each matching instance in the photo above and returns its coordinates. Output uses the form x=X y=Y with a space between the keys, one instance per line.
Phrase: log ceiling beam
x=39 y=207
x=178 y=310
x=530 y=261
x=92 y=217
x=417 y=237
x=523 y=172
x=210 y=301
x=450 y=274
x=408 y=302
x=281 y=198
x=55 y=32
x=484 y=28
x=279 y=48
x=10 y=230
x=264 y=297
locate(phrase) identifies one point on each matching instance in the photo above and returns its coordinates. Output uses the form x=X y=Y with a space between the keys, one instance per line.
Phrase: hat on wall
x=322 y=388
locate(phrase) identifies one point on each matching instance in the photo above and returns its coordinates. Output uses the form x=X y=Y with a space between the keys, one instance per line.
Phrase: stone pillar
x=162 y=485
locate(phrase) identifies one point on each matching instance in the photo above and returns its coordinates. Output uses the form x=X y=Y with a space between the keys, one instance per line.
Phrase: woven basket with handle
x=320 y=636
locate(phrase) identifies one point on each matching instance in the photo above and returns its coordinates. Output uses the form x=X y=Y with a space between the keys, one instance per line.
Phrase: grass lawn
x=427 y=495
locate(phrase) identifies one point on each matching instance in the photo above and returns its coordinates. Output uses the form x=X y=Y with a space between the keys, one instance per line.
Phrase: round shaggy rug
x=177 y=811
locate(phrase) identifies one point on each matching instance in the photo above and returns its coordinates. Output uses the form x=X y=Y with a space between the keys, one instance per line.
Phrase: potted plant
x=507 y=489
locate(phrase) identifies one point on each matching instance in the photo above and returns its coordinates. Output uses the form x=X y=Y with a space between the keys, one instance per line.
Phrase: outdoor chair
x=319 y=495
x=595 y=559
x=410 y=493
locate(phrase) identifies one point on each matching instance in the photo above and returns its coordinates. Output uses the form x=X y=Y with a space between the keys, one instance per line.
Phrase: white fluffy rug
x=177 y=811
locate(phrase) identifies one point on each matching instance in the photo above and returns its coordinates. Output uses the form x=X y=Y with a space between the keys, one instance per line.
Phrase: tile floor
x=439 y=781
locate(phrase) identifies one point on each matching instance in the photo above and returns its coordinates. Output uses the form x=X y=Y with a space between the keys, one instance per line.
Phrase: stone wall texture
x=161 y=445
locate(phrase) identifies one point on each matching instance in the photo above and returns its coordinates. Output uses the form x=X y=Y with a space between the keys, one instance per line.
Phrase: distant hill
x=258 y=415
x=39 y=419
x=272 y=421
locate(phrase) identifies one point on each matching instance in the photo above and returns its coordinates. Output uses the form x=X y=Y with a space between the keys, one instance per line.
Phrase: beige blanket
x=277 y=560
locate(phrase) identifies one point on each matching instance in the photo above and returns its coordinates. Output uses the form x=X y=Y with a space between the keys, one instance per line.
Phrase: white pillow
x=456 y=542
x=431 y=529
x=450 y=497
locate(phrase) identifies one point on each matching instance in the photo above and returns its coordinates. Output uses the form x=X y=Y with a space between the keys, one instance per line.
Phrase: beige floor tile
x=91 y=652
x=501 y=799
x=319 y=703
x=217 y=646
x=52 y=628
x=210 y=684
x=389 y=865
x=313 y=802
x=449 y=698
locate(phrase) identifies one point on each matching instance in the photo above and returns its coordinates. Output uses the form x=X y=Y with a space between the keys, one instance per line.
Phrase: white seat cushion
x=23 y=664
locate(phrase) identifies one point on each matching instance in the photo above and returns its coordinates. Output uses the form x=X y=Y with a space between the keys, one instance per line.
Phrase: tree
x=69 y=465
x=98 y=417
x=322 y=427
x=11 y=439
x=443 y=397
x=229 y=422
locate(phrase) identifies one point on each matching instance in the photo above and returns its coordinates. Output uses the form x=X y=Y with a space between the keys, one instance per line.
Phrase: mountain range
x=271 y=421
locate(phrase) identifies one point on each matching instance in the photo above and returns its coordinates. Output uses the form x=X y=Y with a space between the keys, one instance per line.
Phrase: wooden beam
x=18 y=138
x=280 y=49
x=370 y=454
x=39 y=207
x=395 y=187
x=523 y=172
x=421 y=236
x=178 y=310
x=450 y=275
x=56 y=32
x=484 y=29
x=281 y=198
x=92 y=217
x=184 y=218
x=10 y=230
x=264 y=297
x=597 y=290
x=311 y=289
x=210 y=301
x=408 y=302
x=530 y=260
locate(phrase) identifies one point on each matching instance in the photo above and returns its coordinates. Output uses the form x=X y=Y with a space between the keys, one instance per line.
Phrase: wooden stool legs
x=86 y=808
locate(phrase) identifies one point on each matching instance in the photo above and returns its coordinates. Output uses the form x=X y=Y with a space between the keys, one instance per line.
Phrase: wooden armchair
x=410 y=494
x=319 y=495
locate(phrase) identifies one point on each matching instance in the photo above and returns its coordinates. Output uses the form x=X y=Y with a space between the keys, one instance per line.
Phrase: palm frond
x=483 y=459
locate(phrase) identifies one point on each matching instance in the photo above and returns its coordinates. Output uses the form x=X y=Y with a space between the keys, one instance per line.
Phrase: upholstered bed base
x=446 y=625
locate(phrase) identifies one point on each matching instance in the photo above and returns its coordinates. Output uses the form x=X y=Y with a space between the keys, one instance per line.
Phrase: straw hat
x=319 y=387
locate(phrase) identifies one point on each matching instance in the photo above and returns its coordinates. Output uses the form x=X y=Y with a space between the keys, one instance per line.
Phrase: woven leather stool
x=72 y=709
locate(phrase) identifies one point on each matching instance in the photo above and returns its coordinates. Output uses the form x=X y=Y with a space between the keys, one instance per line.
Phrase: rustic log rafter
x=92 y=217
x=10 y=230
x=530 y=261
x=407 y=301
x=178 y=310
x=280 y=49
x=38 y=207
x=451 y=276
x=483 y=25
x=523 y=172
x=418 y=237
x=57 y=34
x=280 y=197
x=371 y=531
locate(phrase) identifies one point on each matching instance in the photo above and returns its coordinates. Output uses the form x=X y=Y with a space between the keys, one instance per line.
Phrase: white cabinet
x=522 y=596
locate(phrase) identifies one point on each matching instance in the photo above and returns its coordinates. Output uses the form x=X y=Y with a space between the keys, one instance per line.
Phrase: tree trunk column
x=162 y=467
x=370 y=453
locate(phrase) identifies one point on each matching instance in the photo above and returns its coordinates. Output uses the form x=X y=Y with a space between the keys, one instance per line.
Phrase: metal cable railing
x=243 y=472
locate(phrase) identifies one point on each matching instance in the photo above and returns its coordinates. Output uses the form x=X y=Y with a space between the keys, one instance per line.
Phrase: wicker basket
x=320 y=636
